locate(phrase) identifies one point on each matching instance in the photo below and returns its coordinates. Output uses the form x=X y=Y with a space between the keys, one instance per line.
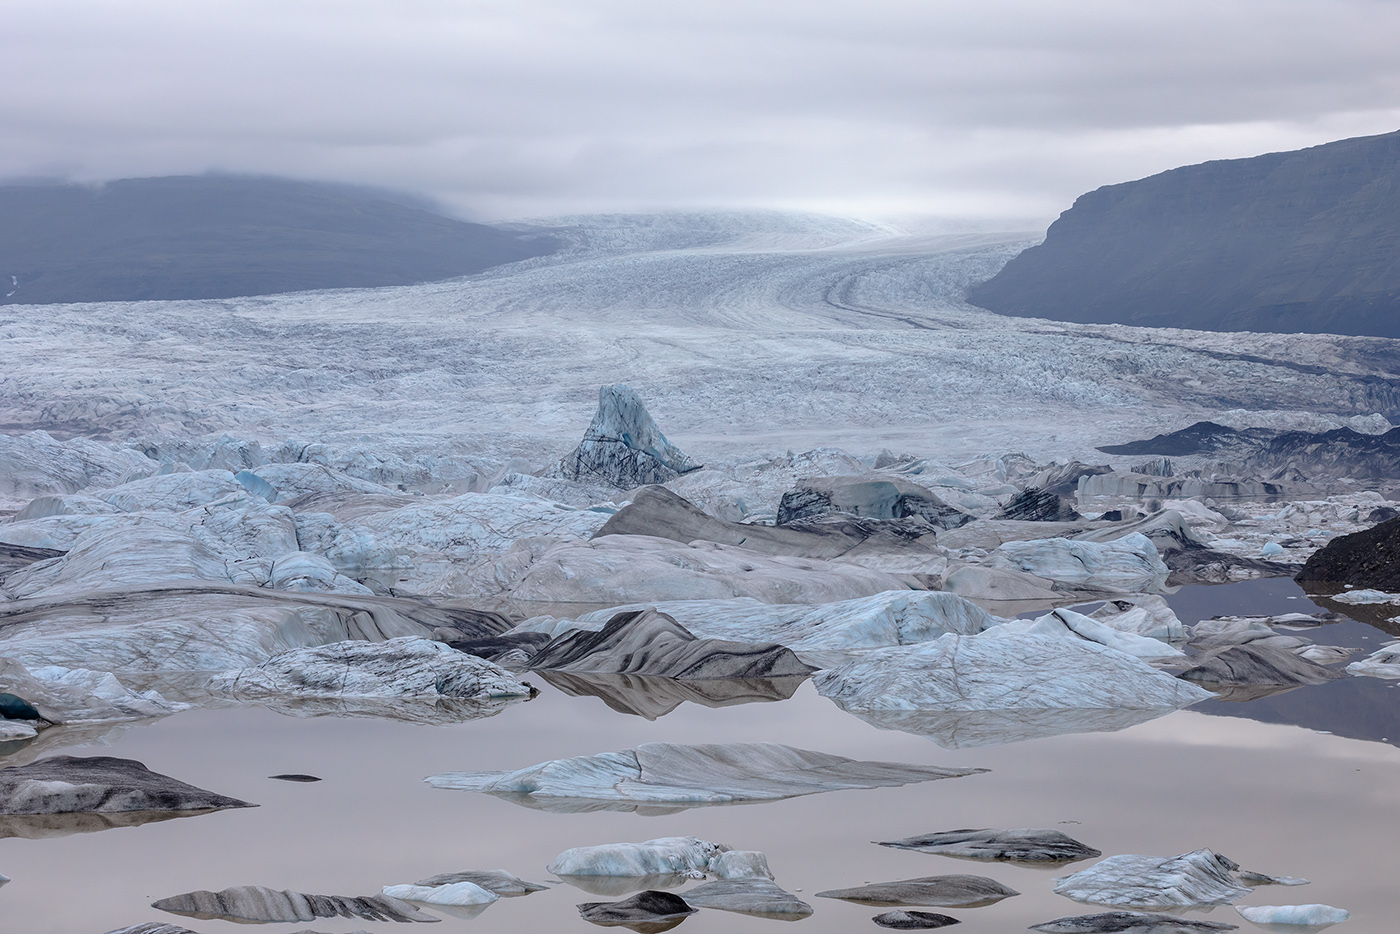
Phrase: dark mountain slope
x=1305 y=241
x=217 y=237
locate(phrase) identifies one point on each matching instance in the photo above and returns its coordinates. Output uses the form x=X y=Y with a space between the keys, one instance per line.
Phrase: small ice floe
x=1310 y=915
x=957 y=891
x=454 y=894
x=663 y=856
x=646 y=911
x=913 y=920
x=1022 y=846
x=1366 y=597
x=1384 y=662
x=1201 y=877
x=749 y=897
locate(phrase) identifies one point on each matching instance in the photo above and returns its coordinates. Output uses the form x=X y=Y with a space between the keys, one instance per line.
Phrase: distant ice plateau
x=744 y=334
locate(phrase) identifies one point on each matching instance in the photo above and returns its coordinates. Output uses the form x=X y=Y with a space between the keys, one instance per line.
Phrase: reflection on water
x=650 y=697
x=1242 y=781
x=972 y=729
x=43 y=826
x=1361 y=708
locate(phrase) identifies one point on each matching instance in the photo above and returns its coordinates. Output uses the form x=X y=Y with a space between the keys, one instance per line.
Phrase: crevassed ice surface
x=785 y=335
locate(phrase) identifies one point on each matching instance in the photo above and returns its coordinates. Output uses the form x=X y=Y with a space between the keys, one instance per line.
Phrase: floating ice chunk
x=1365 y=597
x=1314 y=915
x=897 y=617
x=1145 y=614
x=1064 y=623
x=1015 y=671
x=405 y=667
x=1130 y=563
x=1271 y=550
x=740 y=864
x=453 y=893
x=663 y=856
x=1384 y=662
x=1201 y=877
x=748 y=896
x=674 y=773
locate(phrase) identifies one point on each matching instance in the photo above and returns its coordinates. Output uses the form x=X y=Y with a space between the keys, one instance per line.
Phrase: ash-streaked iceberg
x=669 y=773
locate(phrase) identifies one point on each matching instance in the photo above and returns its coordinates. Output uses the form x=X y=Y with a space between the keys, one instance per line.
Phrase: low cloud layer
x=992 y=109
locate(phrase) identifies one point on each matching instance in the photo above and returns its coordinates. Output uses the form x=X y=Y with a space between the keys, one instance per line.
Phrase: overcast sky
x=992 y=108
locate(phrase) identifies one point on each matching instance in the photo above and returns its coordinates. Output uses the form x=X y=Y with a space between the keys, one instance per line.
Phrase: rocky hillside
x=218 y=237
x=1289 y=242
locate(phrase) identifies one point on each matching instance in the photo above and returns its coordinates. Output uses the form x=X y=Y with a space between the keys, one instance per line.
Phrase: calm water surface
x=1275 y=796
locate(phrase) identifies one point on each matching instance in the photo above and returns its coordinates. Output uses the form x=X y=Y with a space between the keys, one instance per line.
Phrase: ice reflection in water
x=1266 y=794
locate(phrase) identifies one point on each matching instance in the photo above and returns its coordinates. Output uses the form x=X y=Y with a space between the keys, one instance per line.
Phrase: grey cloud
x=549 y=106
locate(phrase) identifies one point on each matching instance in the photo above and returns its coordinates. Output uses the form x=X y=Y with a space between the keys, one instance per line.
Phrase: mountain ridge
x=1288 y=242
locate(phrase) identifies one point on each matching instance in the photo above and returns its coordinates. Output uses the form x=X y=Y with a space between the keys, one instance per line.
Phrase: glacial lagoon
x=1304 y=783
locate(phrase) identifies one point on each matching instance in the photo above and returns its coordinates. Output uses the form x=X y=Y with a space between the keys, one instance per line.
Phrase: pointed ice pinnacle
x=622 y=446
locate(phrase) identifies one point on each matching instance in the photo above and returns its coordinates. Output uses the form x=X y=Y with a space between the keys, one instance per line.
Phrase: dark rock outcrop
x=1289 y=242
x=646 y=642
x=658 y=512
x=1033 y=505
x=216 y=237
x=1029 y=846
x=649 y=907
x=1275 y=454
x=623 y=447
x=105 y=784
x=867 y=498
x=1370 y=559
x=258 y=904
x=1200 y=438
x=957 y=891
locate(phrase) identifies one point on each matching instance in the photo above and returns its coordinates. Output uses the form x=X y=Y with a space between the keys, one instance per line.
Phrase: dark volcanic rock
x=1240 y=665
x=957 y=891
x=1131 y=922
x=217 y=237
x=1370 y=559
x=1035 y=505
x=1200 y=438
x=658 y=512
x=867 y=498
x=1341 y=452
x=65 y=784
x=649 y=907
x=1291 y=242
x=1040 y=846
x=294 y=777
x=645 y=642
x=622 y=446
x=259 y=904
x=913 y=920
